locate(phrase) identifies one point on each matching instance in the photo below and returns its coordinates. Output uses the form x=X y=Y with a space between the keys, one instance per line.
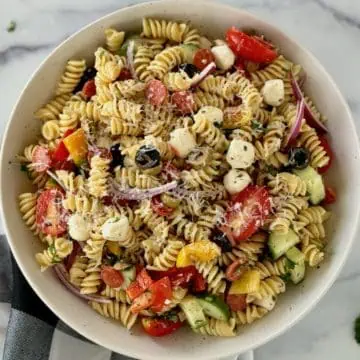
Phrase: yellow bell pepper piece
x=77 y=146
x=248 y=282
x=113 y=247
x=202 y=250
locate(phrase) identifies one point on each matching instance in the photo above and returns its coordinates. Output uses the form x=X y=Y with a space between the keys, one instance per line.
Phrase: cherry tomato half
x=202 y=58
x=160 y=327
x=247 y=212
x=249 y=47
x=161 y=291
x=89 y=88
x=111 y=277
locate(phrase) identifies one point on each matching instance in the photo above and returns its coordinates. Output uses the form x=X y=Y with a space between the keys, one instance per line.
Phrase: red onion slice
x=296 y=126
x=308 y=114
x=130 y=58
x=138 y=194
x=63 y=277
x=197 y=79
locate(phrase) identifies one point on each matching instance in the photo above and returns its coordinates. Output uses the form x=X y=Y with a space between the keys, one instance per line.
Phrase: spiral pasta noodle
x=213 y=275
x=99 y=171
x=170 y=30
x=74 y=70
x=218 y=328
x=114 y=39
x=167 y=258
x=27 y=205
x=53 y=108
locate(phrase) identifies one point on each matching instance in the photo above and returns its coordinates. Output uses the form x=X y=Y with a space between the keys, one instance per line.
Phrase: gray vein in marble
x=339 y=15
x=348 y=277
x=21 y=50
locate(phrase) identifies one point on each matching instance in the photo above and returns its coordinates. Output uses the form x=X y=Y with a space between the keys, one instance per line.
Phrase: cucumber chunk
x=193 y=311
x=214 y=307
x=295 y=255
x=129 y=275
x=314 y=184
x=279 y=244
x=297 y=274
x=189 y=52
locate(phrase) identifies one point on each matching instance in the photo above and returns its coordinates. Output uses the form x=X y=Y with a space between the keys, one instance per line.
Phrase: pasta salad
x=179 y=179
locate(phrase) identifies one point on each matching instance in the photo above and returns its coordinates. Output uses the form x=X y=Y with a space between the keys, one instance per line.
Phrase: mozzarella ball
x=273 y=92
x=183 y=141
x=78 y=228
x=241 y=154
x=116 y=229
x=236 y=180
x=211 y=113
x=224 y=57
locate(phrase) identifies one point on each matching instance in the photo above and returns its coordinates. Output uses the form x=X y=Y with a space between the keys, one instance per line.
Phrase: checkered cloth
x=31 y=331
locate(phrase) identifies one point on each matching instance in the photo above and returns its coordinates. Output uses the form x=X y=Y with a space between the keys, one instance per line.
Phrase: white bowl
x=213 y=19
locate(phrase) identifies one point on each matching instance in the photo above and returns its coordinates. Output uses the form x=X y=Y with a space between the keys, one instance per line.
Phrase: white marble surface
x=329 y=28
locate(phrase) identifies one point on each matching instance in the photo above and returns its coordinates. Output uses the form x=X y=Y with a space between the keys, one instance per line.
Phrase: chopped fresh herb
x=357 y=329
x=290 y=264
x=170 y=315
x=11 y=27
x=286 y=277
x=257 y=126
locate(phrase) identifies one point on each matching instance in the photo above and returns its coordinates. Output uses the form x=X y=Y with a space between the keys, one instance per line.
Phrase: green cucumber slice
x=279 y=244
x=214 y=307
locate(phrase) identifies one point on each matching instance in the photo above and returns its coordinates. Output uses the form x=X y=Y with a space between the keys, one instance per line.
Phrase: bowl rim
x=64 y=315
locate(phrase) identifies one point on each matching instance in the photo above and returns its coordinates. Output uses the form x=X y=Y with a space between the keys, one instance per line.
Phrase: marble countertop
x=328 y=28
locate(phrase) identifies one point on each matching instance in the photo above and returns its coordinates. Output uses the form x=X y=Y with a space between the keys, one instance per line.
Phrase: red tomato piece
x=202 y=58
x=177 y=276
x=160 y=327
x=111 y=277
x=125 y=74
x=89 y=88
x=67 y=165
x=326 y=146
x=142 y=282
x=330 y=196
x=159 y=207
x=50 y=214
x=236 y=302
x=68 y=132
x=234 y=270
x=161 y=291
x=142 y=302
x=41 y=159
x=247 y=212
x=184 y=101
x=199 y=283
x=61 y=153
x=156 y=92
x=249 y=47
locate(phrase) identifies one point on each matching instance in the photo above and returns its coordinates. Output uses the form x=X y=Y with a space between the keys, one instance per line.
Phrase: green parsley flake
x=11 y=27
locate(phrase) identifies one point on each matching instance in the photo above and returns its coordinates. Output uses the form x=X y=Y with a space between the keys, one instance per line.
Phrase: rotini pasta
x=153 y=177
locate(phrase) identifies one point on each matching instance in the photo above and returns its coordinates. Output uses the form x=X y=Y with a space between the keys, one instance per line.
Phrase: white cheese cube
x=182 y=141
x=224 y=57
x=211 y=113
x=241 y=154
x=236 y=180
x=273 y=92
x=116 y=229
x=78 y=228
